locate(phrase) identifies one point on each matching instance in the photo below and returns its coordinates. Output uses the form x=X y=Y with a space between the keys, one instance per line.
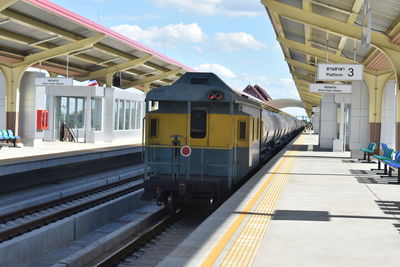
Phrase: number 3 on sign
x=351 y=74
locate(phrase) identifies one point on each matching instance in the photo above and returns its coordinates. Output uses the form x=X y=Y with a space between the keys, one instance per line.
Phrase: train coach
x=202 y=138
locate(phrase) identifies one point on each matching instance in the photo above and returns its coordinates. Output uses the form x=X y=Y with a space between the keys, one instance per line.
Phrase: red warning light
x=215 y=95
x=211 y=96
x=218 y=96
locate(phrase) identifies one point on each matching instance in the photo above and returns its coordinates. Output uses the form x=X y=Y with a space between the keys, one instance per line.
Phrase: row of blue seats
x=387 y=158
x=7 y=136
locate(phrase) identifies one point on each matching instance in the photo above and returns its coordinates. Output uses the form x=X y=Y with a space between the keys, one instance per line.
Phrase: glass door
x=70 y=119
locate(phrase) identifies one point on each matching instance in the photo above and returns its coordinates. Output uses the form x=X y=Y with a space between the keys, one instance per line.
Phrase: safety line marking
x=215 y=253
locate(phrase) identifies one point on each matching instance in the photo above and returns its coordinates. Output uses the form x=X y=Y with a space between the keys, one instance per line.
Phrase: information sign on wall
x=340 y=72
x=53 y=82
x=330 y=88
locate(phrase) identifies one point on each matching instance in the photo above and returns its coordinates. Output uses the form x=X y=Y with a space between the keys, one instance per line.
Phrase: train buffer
x=304 y=208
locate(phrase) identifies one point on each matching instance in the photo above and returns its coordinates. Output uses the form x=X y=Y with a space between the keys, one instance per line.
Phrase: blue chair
x=387 y=155
x=368 y=151
x=9 y=138
x=11 y=135
x=5 y=135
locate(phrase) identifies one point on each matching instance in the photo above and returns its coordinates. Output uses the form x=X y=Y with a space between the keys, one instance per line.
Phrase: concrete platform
x=15 y=160
x=304 y=208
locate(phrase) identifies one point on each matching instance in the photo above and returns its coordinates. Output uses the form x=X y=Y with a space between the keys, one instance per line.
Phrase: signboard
x=340 y=72
x=366 y=27
x=186 y=151
x=330 y=88
x=53 y=81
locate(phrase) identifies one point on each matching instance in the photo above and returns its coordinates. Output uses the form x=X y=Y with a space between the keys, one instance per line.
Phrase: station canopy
x=64 y=43
x=312 y=31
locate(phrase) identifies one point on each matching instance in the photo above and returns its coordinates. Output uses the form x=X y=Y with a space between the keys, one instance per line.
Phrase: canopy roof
x=42 y=28
x=312 y=31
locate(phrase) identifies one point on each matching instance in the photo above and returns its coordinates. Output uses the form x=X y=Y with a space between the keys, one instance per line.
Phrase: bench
x=394 y=164
x=387 y=155
x=368 y=151
x=7 y=136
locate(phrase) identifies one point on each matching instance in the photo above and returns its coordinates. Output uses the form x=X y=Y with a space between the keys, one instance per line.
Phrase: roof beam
x=302 y=48
x=60 y=50
x=156 y=77
x=116 y=68
x=327 y=24
x=6 y=3
x=299 y=64
x=303 y=77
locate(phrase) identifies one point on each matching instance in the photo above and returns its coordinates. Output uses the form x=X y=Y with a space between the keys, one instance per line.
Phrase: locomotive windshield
x=198 y=124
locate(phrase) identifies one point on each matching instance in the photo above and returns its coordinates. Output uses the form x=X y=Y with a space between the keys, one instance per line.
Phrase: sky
x=232 y=38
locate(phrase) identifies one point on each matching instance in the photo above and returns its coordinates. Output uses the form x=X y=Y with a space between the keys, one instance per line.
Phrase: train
x=202 y=138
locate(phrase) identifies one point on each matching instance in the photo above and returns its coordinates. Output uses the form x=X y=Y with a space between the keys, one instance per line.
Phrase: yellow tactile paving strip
x=257 y=215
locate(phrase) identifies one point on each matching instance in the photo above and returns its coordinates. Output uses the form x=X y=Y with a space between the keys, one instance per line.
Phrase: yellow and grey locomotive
x=202 y=138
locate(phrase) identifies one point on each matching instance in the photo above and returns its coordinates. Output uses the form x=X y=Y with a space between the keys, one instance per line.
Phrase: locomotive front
x=189 y=138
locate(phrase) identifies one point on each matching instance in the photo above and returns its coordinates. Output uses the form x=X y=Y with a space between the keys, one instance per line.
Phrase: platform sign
x=340 y=72
x=53 y=81
x=186 y=151
x=330 y=88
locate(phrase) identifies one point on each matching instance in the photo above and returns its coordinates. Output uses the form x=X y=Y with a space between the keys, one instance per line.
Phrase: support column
x=12 y=78
x=395 y=60
x=376 y=85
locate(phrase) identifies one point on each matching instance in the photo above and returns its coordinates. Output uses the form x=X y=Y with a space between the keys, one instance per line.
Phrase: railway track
x=23 y=221
x=155 y=242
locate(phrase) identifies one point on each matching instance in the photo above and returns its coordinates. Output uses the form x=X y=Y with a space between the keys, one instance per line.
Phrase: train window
x=242 y=130
x=198 y=124
x=153 y=127
x=199 y=81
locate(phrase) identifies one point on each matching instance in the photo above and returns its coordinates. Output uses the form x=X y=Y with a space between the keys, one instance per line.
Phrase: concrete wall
x=3 y=103
x=32 y=98
x=388 y=130
x=315 y=119
x=359 y=118
x=327 y=121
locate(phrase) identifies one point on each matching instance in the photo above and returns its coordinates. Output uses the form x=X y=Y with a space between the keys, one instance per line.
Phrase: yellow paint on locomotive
x=222 y=130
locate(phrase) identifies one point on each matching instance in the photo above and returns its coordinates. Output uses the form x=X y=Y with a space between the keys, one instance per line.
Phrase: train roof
x=201 y=83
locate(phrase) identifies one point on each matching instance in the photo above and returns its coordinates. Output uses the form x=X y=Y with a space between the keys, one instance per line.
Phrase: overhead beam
x=6 y=3
x=155 y=77
x=324 y=23
x=303 y=77
x=298 y=64
x=302 y=48
x=60 y=50
x=117 y=68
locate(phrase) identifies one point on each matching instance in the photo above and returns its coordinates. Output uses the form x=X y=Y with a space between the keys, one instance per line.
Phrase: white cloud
x=232 y=8
x=169 y=35
x=219 y=70
x=198 y=49
x=231 y=42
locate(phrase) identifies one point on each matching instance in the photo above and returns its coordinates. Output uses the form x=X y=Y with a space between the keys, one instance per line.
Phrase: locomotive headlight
x=215 y=95
x=211 y=95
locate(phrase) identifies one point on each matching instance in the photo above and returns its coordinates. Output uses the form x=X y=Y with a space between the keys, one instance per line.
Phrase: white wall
x=3 y=102
x=327 y=121
x=359 y=118
x=388 y=127
x=32 y=98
